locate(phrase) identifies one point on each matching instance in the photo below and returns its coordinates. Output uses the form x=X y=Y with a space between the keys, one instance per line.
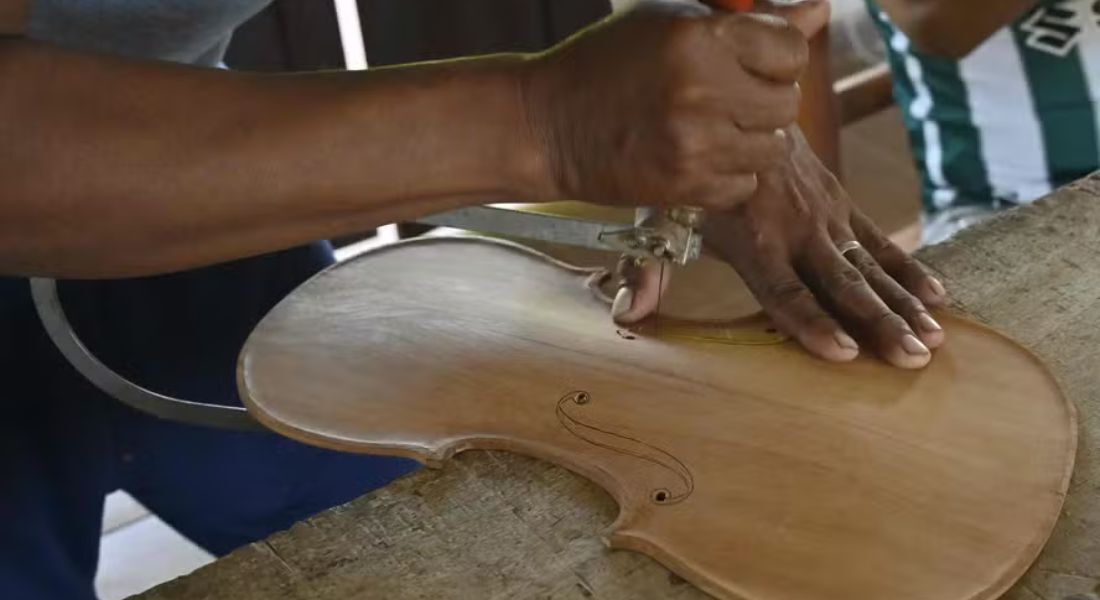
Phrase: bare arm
x=114 y=167
x=952 y=28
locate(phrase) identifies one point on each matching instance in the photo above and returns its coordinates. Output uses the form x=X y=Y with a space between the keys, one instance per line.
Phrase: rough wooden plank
x=495 y=525
x=1034 y=273
x=503 y=525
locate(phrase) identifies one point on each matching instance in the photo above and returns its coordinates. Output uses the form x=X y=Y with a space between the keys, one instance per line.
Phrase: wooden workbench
x=495 y=525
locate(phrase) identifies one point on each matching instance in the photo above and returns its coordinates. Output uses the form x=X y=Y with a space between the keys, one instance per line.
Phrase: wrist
x=533 y=162
x=466 y=124
x=501 y=131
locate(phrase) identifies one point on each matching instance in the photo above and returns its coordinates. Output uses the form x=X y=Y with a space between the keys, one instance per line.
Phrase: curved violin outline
x=637 y=537
x=627 y=445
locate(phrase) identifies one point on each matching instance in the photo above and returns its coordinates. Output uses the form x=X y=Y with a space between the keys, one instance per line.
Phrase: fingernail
x=845 y=341
x=913 y=346
x=927 y=323
x=937 y=287
x=624 y=299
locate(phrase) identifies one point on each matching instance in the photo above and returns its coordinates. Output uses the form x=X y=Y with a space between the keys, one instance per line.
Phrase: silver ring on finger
x=845 y=247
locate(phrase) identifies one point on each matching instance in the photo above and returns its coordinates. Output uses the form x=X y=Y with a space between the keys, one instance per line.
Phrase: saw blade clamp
x=667 y=234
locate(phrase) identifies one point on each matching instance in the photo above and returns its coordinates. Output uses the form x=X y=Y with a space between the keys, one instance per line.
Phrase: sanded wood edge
x=428 y=455
x=433 y=455
x=618 y=534
x=436 y=455
x=1030 y=553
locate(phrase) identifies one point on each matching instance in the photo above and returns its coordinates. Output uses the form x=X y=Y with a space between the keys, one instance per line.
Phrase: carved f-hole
x=568 y=409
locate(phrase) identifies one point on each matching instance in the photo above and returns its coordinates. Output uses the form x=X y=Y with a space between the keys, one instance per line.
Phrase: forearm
x=952 y=28
x=117 y=168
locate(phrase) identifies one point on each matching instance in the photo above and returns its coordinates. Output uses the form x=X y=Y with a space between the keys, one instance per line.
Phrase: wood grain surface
x=731 y=464
x=500 y=525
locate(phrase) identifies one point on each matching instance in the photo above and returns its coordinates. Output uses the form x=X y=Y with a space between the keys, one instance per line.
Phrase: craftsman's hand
x=786 y=242
x=787 y=245
x=667 y=104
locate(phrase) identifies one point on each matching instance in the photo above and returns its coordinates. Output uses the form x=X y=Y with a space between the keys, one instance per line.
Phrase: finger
x=904 y=268
x=766 y=107
x=897 y=297
x=713 y=140
x=761 y=151
x=792 y=307
x=853 y=300
x=767 y=46
x=718 y=192
x=640 y=291
x=754 y=153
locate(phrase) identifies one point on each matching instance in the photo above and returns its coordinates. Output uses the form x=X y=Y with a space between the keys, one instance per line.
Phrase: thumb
x=640 y=290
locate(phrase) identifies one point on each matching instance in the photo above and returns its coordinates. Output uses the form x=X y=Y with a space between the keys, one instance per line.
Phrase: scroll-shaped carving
x=624 y=444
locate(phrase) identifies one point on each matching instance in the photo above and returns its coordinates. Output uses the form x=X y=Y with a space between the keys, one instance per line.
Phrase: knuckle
x=741 y=188
x=895 y=260
x=765 y=155
x=689 y=95
x=880 y=246
x=786 y=292
x=786 y=38
x=865 y=263
x=775 y=144
x=778 y=40
x=908 y=263
x=907 y=304
x=892 y=321
x=687 y=142
x=798 y=48
x=843 y=283
x=765 y=105
x=725 y=195
x=886 y=252
x=774 y=147
x=900 y=264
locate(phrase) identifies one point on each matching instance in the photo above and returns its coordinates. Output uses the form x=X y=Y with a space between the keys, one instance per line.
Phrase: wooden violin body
x=754 y=471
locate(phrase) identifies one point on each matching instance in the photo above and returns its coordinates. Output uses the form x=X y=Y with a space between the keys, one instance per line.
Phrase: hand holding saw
x=670 y=235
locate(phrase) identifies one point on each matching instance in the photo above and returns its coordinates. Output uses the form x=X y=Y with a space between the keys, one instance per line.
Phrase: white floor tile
x=121 y=509
x=142 y=554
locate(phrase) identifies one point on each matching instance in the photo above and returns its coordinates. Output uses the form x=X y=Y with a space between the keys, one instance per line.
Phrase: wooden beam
x=865 y=93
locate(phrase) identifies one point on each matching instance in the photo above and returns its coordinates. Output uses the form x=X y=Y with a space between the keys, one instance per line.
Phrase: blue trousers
x=64 y=445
